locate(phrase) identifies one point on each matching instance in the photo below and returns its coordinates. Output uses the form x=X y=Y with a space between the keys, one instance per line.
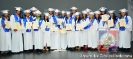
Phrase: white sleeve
x=12 y=21
x=23 y=28
x=129 y=25
x=43 y=26
x=73 y=25
x=0 y=24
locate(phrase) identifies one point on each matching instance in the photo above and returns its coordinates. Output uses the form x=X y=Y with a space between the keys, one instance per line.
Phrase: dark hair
x=104 y=12
x=78 y=18
x=46 y=19
x=83 y=16
x=99 y=17
x=114 y=17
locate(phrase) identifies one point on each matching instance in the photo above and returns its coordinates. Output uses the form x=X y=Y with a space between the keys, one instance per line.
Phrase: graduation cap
x=74 y=8
x=111 y=11
x=84 y=12
x=38 y=12
x=18 y=8
x=46 y=14
x=67 y=12
x=88 y=10
x=77 y=13
x=63 y=12
x=56 y=10
x=33 y=8
x=91 y=13
x=97 y=12
x=123 y=10
x=50 y=9
x=102 y=9
x=27 y=11
x=5 y=11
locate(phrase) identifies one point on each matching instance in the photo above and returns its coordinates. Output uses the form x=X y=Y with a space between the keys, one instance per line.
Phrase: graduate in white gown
x=17 y=42
x=70 y=33
x=37 y=32
x=55 y=41
x=77 y=40
x=83 y=37
x=32 y=14
x=0 y=31
x=88 y=11
x=46 y=32
x=125 y=31
x=6 y=33
x=73 y=11
x=63 y=36
x=28 y=41
x=113 y=17
x=91 y=27
x=103 y=24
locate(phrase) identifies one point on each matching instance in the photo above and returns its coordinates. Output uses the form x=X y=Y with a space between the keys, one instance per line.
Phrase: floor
x=70 y=55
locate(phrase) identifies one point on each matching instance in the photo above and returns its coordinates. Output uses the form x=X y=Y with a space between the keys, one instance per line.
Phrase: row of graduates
x=44 y=37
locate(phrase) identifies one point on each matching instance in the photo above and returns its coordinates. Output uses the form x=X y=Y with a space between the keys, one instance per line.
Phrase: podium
x=108 y=40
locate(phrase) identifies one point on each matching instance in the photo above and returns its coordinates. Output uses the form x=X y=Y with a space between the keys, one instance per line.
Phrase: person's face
x=103 y=12
x=63 y=14
x=68 y=15
x=37 y=15
x=50 y=12
x=73 y=11
x=97 y=15
x=6 y=14
x=111 y=14
x=91 y=15
x=18 y=12
x=33 y=11
x=123 y=14
x=77 y=16
x=27 y=14
x=84 y=15
x=56 y=13
x=46 y=17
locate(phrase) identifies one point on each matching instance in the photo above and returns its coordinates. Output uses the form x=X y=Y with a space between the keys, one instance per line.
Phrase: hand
x=80 y=29
x=123 y=26
x=53 y=31
x=60 y=28
x=3 y=24
x=54 y=23
x=39 y=27
x=15 y=30
x=9 y=28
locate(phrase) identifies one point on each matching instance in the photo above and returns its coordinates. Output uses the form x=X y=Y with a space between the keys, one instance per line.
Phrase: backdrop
x=43 y=5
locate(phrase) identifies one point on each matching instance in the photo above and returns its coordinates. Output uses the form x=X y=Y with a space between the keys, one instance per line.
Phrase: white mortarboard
x=102 y=9
x=74 y=8
x=33 y=8
x=84 y=12
x=5 y=11
x=77 y=13
x=91 y=13
x=62 y=12
x=111 y=11
x=97 y=12
x=27 y=11
x=46 y=14
x=123 y=10
x=67 y=12
x=88 y=10
x=50 y=9
x=37 y=12
x=18 y=8
x=56 y=10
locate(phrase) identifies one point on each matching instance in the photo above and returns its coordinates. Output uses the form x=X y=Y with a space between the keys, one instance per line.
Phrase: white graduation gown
x=38 y=37
x=63 y=37
x=5 y=40
x=70 y=35
x=125 y=36
x=46 y=35
x=55 y=41
x=83 y=37
x=77 y=36
x=17 y=41
x=0 y=33
x=28 y=41
x=94 y=36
